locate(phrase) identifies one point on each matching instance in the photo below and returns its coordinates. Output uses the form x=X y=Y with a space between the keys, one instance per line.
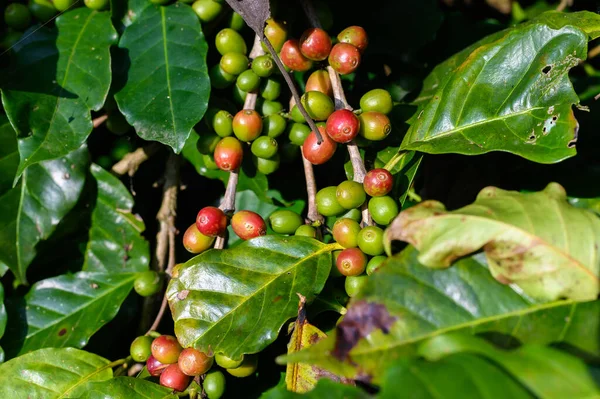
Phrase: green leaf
x=51 y=373
x=31 y=210
x=190 y=153
x=324 y=389
x=536 y=241
x=511 y=92
x=127 y=387
x=547 y=372
x=64 y=311
x=167 y=87
x=425 y=303
x=3 y=319
x=587 y=21
x=235 y=301
x=115 y=243
x=59 y=75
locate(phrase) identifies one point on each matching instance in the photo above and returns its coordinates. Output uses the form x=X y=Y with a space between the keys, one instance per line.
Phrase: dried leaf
x=254 y=12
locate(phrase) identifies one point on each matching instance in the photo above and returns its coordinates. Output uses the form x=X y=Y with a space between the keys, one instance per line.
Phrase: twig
x=564 y=4
x=312 y=215
x=99 y=120
x=594 y=52
x=132 y=161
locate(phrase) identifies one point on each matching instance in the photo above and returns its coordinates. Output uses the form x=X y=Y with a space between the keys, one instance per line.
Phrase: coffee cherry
x=229 y=153
x=327 y=204
x=350 y=194
x=147 y=283
x=211 y=221
x=370 y=240
x=276 y=32
x=297 y=115
x=274 y=125
x=227 y=362
x=154 y=367
x=44 y=11
x=318 y=154
x=222 y=123
x=207 y=10
x=292 y=57
x=207 y=143
x=140 y=350
x=166 y=349
x=344 y=58
x=247 y=368
x=270 y=89
x=377 y=100
x=298 y=133
x=17 y=16
x=383 y=209
x=351 y=262
x=209 y=162
x=375 y=263
x=374 y=126
x=306 y=231
x=378 y=182
x=267 y=107
x=63 y=5
x=219 y=79
x=236 y=22
x=230 y=41
x=174 y=378
x=267 y=166
x=248 y=224
x=285 y=221
x=356 y=36
x=117 y=123
x=234 y=63
x=214 y=384
x=96 y=4
x=319 y=81
x=247 y=125
x=315 y=44
x=264 y=147
x=318 y=105
x=355 y=284
x=196 y=242
x=342 y=126
x=248 y=81
x=263 y=66
x=334 y=272
x=345 y=232
x=353 y=214
x=192 y=362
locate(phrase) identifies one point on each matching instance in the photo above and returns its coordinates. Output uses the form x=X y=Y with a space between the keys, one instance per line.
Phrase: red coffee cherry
x=174 y=378
x=247 y=125
x=378 y=182
x=192 y=362
x=248 y=224
x=196 y=242
x=318 y=154
x=228 y=154
x=292 y=57
x=356 y=36
x=319 y=81
x=351 y=262
x=155 y=368
x=315 y=44
x=211 y=221
x=342 y=126
x=344 y=58
x=166 y=349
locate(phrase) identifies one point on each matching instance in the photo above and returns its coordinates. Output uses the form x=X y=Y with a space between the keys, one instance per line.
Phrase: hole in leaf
x=547 y=69
x=554 y=118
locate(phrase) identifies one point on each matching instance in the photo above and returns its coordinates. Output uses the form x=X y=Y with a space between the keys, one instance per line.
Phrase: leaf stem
x=132 y=161
x=96 y=122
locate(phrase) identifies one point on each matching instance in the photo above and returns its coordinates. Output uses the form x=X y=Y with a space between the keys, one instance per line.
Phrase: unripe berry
x=276 y=32
x=236 y=22
x=17 y=16
x=318 y=154
x=248 y=224
x=206 y=10
x=174 y=378
x=319 y=81
x=154 y=367
x=211 y=221
x=248 y=81
x=298 y=133
x=378 y=182
x=274 y=125
x=140 y=350
x=344 y=58
x=355 y=284
x=383 y=209
x=285 y=221
x=327 y=205
x=375 y=263
x=230 y=41
x=263 y=66
x=370 y=240
x=319 y=106
x=315 y=44
x=374 y=126
x=228 y=154
x=192 y=362
x=267 y=166
x=234 y=63
x=247 y=368
x=297 y=115
x=342 y=126
x=356 y=36
x=147 y=283
x=219 y=79
x=196 y=242
x=270 y=88
x=247 y=125
x=292 y=57
x=267 y=107
x=222 y=123
x=227 y=362
x=345 y=232
x=350 y=194
x=351 y=262
x=166 y=349
x=214 y=384
x=306 y=231
x=378 y=100
x=264 y=147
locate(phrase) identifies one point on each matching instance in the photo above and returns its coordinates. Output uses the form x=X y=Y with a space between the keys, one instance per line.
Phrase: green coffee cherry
x=219 y=79
x=230 y=41
x=285 y=221
x=234 y=63
x=274 y=125
x=207 y=143
x=375 y=263
x=264 y=147
x=267 y=165
x=383 y=209
x=350 y=194
x=377 y=100
x=306 y=231
x=147 y=283
x=140 y=349
x=222 y=123
x=327 y=204
x=248 y=81
x=318 y=105
x=374 y=126
x=236 y=22
x=214 y=384
x=17 y=16
x=227 y=362
x=355 y=284
x=298 y=133
x=296 y=115
x=270 y=89
x=263 y=66
x=370 y=240
x=238 y=96
x=353 y=214
x=267 y=107
x=207 y=10
x=96 y=4
x=44 y=11
x=209 y=161
x=63 y=5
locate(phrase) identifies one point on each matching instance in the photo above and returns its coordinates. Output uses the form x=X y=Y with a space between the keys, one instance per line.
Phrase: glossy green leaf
x=425 y=303
x=51 y=373
x=3 y=319
x=536 y=241
x=115 y=243
x=587 y=21
x=324 y=389
x=58 y=77
x=510 y=92
x=547 y=372
x=64 y=311
x=127 y=387
x=191 y=154
x=31 y=210
x=235 y=301
x=167 y=87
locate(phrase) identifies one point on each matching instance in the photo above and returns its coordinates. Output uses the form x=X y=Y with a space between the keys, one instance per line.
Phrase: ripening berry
x=374 y=126
x=378 y=100
x=192 y=362
x=174 y=378
x=228 y=154
x=342 y=126
x=276 y=32
x=345 y=232
x=196 y=242
x=344 y=58
x=248 y=224
x=356 y=36
x=315 y=44
x=316 y=153
x=378 y=182
x=166 y=349
x=211 y=221
x=319 y=81
x=351 y=262
x=247 y=125
x=350 y=194
x=154 y=367
x=292 y=57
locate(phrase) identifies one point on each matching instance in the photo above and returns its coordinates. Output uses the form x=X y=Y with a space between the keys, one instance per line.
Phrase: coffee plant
x=309 y=198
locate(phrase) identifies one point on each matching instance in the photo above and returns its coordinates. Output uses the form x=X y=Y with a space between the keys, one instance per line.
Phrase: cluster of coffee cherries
x=176 y=367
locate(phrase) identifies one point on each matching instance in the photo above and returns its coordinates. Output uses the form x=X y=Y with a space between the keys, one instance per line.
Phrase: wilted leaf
x=167 y=87
x=31 y=210
x=254 y=12
x=59 y=75
x=325 y=389
x=51 y=373
x=536 y=241
x=127 y=388
x=464 y=298
x=235 y=301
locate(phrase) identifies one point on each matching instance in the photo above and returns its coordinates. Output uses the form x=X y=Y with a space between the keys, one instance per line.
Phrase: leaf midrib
x=168 y=76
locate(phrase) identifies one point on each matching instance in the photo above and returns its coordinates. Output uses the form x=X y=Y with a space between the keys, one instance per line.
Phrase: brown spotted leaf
x=536 y=241
x=254 y=12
